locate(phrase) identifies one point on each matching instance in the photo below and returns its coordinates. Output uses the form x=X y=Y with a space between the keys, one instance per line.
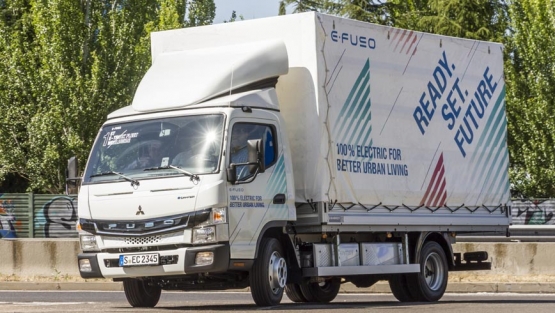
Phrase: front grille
x=142 y=240
x=113 y=242
x=147 y=226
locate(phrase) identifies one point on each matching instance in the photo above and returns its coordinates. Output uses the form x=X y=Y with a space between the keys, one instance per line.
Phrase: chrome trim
x=171 y=189
x=114 y=194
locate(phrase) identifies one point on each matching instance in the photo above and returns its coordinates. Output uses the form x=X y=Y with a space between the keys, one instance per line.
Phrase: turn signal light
x=204 y=258
x=85 y=265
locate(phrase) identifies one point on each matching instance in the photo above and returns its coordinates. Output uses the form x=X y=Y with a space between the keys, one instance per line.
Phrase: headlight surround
x=88 y=243
x=205 y=234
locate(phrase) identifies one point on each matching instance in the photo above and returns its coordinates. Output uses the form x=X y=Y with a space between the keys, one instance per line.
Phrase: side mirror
x=72 y=170
x=255 y=162
x=256 y=155
x=232 y=174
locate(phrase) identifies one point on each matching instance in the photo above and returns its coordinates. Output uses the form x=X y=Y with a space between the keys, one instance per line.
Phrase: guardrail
x=29 y=215
x=533 y=212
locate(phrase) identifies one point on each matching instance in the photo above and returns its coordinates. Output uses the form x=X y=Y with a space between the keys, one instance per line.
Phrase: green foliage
x=298 y=6
x=530 y=78
x=233 y=17
x=64 y=65
x=472 y=19
x=200 y=12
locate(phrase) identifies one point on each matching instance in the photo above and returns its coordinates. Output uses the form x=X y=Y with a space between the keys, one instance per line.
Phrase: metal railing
x=29 y=215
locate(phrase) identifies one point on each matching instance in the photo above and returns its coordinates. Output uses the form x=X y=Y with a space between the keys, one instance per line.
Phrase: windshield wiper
x=134 y=182
x=193 y=176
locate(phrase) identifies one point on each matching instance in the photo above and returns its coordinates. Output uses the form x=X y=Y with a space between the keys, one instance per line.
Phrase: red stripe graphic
x=394 y=36
x=401 y=39
x=406 y=40
x=436 y=193
x=411 y=44
x=440 y=191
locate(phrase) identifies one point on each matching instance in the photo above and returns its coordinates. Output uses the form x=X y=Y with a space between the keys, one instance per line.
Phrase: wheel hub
x=277 y=272
x=433 y=271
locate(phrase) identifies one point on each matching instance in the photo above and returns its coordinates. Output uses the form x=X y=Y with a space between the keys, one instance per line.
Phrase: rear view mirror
x=72 y=168
x=232 y=173
x=255 y=163
x=256 y=155
x=72 y=180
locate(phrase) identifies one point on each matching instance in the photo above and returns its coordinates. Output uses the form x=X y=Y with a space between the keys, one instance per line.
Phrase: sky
x=249 y=9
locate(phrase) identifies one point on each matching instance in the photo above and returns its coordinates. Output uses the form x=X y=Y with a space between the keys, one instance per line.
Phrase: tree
x=64 y=65
x=301 y=5
x=472 y=19
x=530 y=77
x=200 y=12
x=233 y=17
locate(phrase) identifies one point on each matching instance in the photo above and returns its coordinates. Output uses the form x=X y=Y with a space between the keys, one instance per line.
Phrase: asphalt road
x=78 y=301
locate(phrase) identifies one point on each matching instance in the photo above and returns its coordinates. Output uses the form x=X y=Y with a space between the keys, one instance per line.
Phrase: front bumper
x=104 y=265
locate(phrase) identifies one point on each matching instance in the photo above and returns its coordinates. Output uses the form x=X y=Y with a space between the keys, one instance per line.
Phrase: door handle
x=279 y=199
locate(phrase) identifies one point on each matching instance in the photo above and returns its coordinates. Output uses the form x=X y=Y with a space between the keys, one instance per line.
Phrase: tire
x=321 y=292
x=400 y=288
x=429 y=285
x=268 y=275
x=294 y=293
x=140 y=294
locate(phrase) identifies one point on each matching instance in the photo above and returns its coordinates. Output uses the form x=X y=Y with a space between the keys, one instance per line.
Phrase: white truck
x=296 y=153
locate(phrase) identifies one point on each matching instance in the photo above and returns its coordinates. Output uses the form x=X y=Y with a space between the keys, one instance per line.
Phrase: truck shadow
x=345 y=306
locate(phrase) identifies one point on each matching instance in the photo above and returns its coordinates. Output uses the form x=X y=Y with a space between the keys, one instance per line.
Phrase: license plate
x=139 y=259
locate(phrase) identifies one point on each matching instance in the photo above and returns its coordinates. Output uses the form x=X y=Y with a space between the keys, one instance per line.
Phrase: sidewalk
x=380 y=287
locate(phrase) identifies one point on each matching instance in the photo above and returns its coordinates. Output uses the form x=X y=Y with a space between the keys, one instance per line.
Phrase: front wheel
x=431 y=282
x=268 y=275
x=141 y=294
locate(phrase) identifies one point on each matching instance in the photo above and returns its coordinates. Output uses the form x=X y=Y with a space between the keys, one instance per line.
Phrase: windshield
x=154 y=148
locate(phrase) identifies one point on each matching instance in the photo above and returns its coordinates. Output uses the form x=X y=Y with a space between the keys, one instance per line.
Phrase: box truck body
x=365 y=150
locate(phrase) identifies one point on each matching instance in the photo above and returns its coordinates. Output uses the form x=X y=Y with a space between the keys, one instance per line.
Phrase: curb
x=380 y=287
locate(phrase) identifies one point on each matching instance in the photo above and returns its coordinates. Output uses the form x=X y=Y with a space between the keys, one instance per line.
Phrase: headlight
x=219 y=215
x=204 y=234
x=210 y=216
x=88 y=243
x=86 y=225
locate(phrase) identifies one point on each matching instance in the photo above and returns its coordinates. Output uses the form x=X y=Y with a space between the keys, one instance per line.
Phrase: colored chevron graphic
x=277 y=184
x=494 y=179
x=436 y=194
x=353 y=123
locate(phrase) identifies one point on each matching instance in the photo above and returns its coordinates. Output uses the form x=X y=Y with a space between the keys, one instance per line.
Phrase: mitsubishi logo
x=140 y=212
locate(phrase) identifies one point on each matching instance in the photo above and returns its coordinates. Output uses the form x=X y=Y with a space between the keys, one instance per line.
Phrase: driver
x=150 y=156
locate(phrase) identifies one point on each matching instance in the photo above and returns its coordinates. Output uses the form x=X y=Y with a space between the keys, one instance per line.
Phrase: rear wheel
x=268 y=275
x=430 y=284
x=141 y=294
x=321 y=292
x=294 y=293
x=400 y=288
